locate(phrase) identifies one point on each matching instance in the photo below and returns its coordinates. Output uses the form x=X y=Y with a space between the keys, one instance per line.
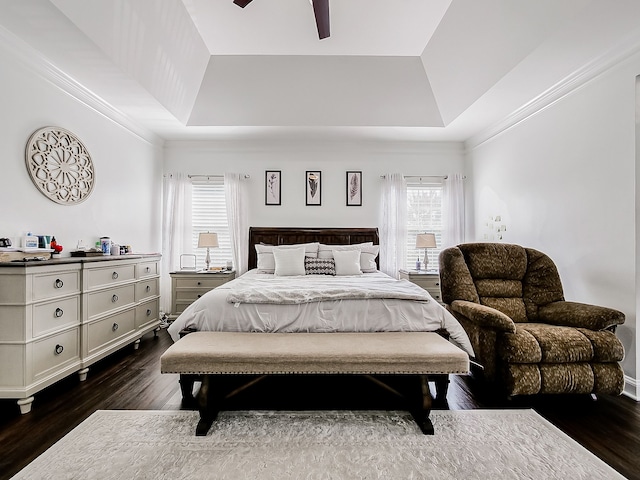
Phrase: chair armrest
x=581 y=315
x=483 y=316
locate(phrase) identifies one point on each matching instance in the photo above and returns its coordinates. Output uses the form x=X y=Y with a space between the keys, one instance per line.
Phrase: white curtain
x=393 y=230
x=236 y=191
x=453 y=210
x=176 y=230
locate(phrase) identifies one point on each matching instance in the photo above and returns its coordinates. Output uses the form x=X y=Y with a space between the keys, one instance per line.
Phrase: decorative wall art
x=272 y=187
x=354 y=189
x=59 y=165
x=314 y=188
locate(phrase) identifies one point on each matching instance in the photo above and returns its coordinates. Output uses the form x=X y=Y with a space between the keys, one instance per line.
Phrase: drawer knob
x=58 y=283
x=148 y=289
x=199 y=283
x=114 y=275
x=199 y=296
x=59 y=349
x=59 y=312
x=115 y=327
x=148 y=312
x=148 y=269
x=114 y=299
x=437 y=284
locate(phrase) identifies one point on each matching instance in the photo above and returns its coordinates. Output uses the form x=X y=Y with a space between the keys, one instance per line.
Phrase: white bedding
x=214 y=312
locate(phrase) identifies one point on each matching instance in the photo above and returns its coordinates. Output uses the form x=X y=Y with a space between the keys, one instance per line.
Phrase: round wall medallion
x=60 y=165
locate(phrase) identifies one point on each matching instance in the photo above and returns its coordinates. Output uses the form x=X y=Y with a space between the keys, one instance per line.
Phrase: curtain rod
x=213 y=176
x=420 y=176
x=444 y=177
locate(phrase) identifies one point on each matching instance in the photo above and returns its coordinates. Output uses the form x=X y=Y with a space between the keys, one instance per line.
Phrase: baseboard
x=631 y=388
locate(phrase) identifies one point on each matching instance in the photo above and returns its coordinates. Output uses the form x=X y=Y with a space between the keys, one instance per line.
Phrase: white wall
x=564 y=182
x=126 y=201
x=332 y=158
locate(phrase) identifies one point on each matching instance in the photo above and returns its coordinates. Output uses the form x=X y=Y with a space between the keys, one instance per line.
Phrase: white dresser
x=60 y=316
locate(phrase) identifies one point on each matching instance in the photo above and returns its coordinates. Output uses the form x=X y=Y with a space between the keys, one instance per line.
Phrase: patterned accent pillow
x=319 y=266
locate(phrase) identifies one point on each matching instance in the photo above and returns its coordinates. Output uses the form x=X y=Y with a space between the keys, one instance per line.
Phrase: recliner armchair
x=510 y=301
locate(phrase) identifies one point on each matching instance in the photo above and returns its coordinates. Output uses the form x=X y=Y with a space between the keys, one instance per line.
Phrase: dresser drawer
x=110 y=329
x=55 y=315
x=56 y=351
x=190 y=295
x=107 y=300
x=436 y=295
x=146 y=288
x=428 y=283
x=206 y=282
x=180 y=307
x=104 y=276
x=147 y=269
x=147 y=313
x=53 y=285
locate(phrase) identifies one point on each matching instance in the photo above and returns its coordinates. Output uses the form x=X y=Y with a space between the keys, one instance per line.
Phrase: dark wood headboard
x=291 y=235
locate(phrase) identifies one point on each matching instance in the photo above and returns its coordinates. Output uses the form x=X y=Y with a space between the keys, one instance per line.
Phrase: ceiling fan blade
x=321 y=11
x=242 y=3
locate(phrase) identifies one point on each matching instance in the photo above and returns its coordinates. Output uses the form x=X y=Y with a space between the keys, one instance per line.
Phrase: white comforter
x=302 y=307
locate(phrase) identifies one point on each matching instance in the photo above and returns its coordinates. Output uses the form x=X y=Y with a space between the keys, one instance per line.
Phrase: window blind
x=209 y=214
x=424 y=215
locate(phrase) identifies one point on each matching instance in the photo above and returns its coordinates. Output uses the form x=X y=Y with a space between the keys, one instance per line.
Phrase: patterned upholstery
x=529 y=340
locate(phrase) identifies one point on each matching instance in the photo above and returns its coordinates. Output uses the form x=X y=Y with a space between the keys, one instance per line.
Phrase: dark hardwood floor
x=131 y=380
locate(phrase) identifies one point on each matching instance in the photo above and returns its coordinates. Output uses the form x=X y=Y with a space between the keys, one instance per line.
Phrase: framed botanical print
x=354 y=189
x=272 y=187
x=313 y=187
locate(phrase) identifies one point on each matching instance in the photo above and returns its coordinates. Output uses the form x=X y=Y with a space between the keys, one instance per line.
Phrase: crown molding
x=373 y=146
x=39 y=65
x=566 y=86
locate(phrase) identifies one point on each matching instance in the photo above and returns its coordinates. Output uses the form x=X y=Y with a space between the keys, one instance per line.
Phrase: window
x=209 y=214
x=424 y=215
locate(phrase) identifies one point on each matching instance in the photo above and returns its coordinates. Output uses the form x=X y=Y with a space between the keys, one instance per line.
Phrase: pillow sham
x=266 y=262
x=326 y=251
x=289 y=261
x=368 y=256
x=319 y=266
x=347 y=262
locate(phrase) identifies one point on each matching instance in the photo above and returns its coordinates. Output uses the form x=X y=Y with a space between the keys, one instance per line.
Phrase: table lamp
x=425 y=240
x=207 y=240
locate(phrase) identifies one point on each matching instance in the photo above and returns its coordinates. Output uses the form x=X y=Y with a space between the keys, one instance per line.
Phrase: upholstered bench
x=394 y=353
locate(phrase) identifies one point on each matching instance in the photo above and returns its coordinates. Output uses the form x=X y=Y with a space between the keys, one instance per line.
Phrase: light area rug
x=472 y=444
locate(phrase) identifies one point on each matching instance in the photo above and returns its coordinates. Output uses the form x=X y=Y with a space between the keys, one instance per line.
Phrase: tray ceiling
x=433 y=70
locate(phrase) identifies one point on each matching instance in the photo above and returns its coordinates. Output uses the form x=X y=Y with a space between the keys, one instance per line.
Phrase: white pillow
x=368 y=251
x=289 y=261
x=326 y=251
x=368 y=256
x=266 y=262
x=347 y=262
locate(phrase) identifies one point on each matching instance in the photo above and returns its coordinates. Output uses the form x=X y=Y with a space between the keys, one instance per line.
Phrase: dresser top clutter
x=65 y=260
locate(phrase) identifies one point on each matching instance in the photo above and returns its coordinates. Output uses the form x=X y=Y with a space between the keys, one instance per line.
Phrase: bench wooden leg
x=442 y=387
x=208 y=405
x=186 y=388
x=422 y=411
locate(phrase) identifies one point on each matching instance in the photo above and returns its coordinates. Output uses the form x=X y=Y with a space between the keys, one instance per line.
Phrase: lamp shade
x=207 y=239
x=425 y=240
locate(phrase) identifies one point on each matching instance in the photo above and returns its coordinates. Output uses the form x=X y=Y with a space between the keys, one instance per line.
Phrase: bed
x=261 y=301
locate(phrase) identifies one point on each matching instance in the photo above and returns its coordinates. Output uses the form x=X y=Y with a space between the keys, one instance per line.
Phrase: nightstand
x=188 y=286
x=429 y=280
